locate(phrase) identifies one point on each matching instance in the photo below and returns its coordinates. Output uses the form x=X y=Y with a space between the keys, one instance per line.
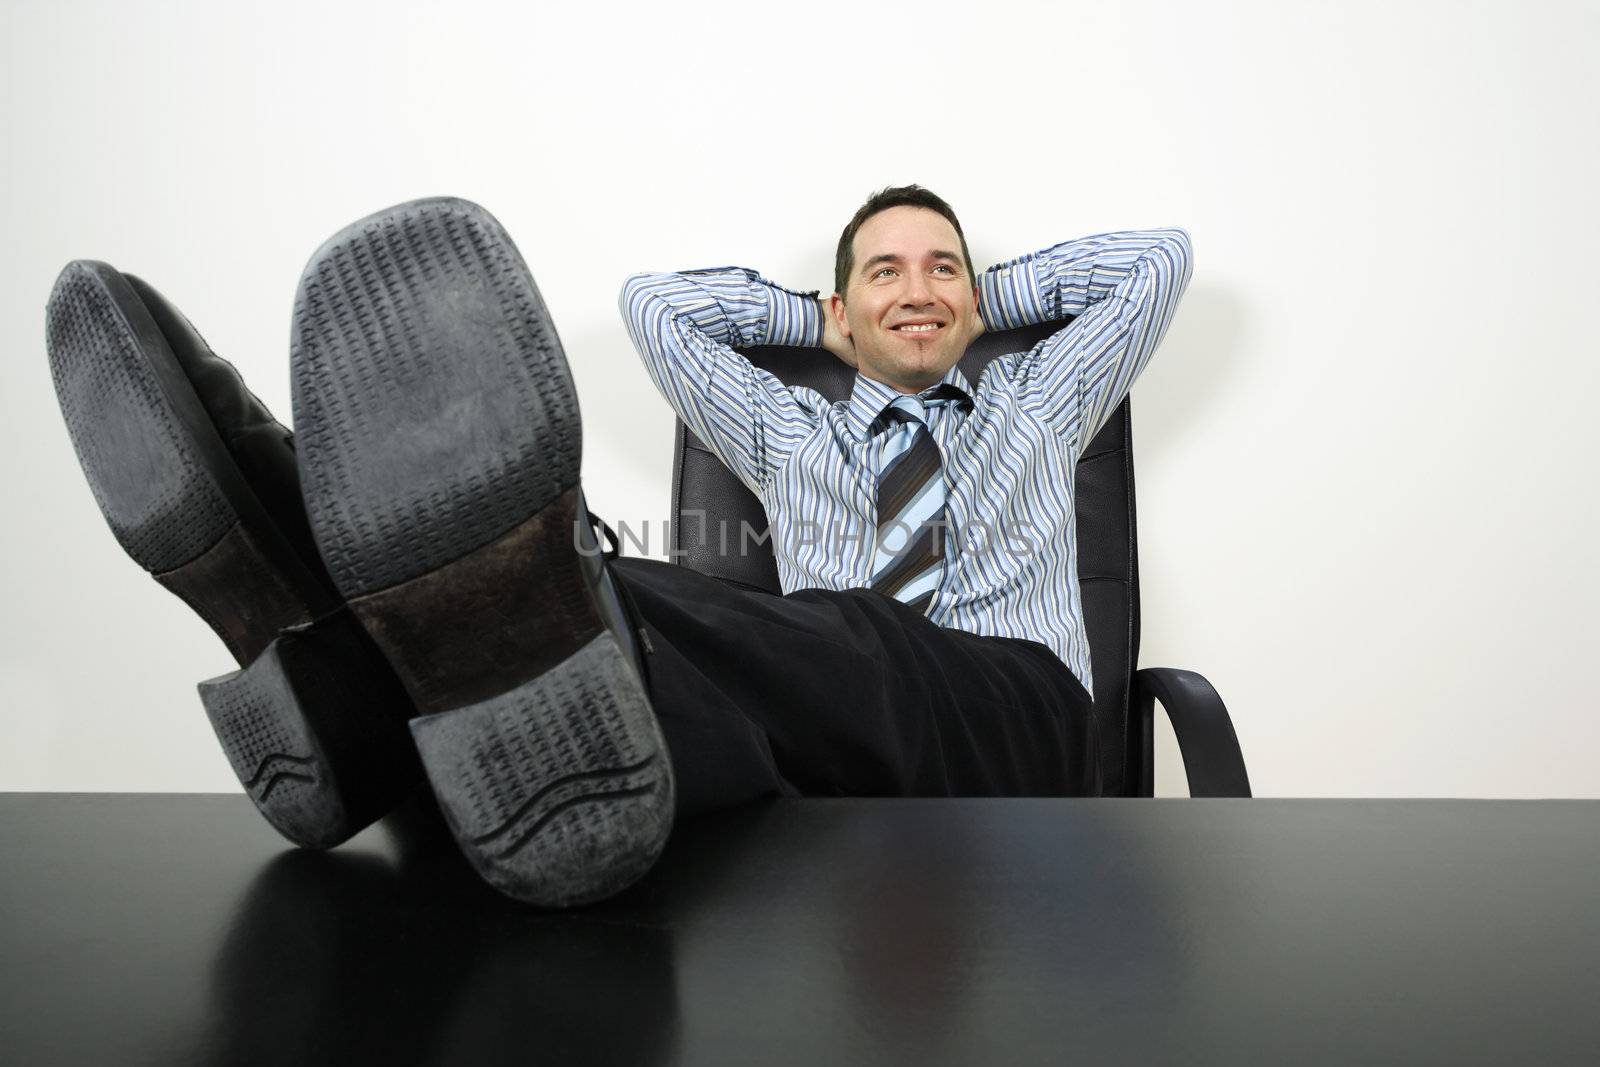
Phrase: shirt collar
x=869 y=397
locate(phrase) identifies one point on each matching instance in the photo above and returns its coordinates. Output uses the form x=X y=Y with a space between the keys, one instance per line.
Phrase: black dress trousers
x=848 y=693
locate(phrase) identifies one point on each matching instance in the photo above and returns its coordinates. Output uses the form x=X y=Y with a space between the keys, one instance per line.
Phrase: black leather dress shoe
x=439 y=449
x=199 y=484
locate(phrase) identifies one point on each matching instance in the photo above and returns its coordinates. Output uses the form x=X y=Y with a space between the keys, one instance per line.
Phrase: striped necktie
x=909 y=560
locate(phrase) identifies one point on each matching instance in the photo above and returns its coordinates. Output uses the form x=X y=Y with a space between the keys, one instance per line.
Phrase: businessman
x=567 y=705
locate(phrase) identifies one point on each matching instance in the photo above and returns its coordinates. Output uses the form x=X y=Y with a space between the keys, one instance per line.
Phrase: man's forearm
x=733 y=306
x=686 y=327
x=1067 y=279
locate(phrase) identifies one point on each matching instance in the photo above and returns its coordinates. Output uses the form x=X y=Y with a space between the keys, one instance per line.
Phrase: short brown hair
x=844 y=259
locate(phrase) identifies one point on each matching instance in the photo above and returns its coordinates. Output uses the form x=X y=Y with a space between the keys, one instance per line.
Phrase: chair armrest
x=1211 y=755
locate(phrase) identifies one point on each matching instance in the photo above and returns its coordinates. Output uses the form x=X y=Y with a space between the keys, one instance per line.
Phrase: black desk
x=177 y=929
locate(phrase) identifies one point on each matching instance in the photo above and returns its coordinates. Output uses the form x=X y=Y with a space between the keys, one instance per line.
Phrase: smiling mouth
x=923 y=328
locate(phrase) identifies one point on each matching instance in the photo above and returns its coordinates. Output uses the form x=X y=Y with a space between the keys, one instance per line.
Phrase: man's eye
x=882 y=271
x=945 y=266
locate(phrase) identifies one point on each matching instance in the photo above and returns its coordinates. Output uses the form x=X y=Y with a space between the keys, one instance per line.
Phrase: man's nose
x=915 y=292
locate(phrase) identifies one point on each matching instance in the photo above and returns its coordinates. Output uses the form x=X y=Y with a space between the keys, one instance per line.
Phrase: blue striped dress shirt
x=1010 y=457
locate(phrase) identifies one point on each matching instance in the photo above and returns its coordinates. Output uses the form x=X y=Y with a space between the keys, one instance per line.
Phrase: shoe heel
x=559 y=790
x=315 y=729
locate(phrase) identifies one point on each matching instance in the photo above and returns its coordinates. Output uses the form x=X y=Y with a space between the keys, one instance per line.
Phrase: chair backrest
x=707 y=498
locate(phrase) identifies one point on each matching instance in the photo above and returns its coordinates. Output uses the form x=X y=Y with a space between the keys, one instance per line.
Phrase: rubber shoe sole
x=313 y=722
x=440 y=447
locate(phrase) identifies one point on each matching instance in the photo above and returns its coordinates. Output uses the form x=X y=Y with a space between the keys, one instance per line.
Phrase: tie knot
x=907 y=408
x=899 y=412
x=910 y=407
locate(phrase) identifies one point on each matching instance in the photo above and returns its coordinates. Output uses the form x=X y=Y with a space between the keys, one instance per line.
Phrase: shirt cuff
x=1008 y=294
x=793 y=318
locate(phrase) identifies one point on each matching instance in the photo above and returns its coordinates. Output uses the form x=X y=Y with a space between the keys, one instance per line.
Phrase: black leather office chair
x=1108 y=575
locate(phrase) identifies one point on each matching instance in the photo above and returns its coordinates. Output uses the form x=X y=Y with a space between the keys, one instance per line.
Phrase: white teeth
x=924 y=328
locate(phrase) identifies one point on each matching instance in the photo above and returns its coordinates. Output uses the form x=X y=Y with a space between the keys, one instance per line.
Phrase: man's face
x=909 y=306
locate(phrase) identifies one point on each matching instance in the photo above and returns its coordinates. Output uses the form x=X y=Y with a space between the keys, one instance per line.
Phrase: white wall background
x=1365 y=453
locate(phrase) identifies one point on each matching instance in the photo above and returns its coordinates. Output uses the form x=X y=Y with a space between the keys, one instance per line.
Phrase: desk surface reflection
x=180 y=929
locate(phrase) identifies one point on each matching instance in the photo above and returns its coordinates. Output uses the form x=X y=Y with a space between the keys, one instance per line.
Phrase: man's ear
x=836 y=305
